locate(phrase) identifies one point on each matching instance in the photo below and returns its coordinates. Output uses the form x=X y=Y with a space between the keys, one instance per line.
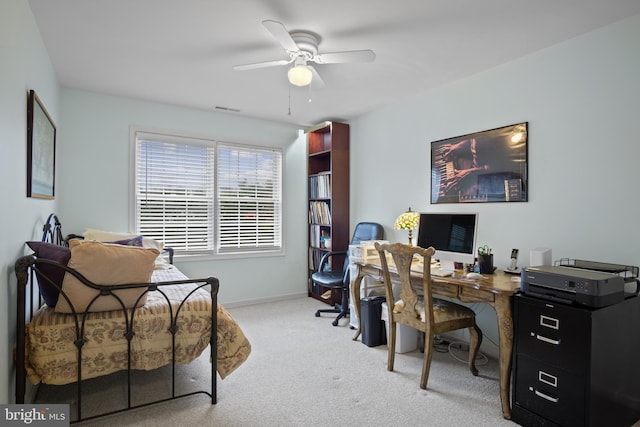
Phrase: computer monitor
x=452 y=235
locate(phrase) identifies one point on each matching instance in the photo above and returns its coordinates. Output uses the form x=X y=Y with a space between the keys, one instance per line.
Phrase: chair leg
x=341 y=309
x=335 y=309
x=426 y=364
x=343 y=313
x=344 y=306
x=474 y=346
x=391 y=345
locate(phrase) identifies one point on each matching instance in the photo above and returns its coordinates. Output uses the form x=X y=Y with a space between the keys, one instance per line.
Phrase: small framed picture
x=41 y=150
x=487 y=166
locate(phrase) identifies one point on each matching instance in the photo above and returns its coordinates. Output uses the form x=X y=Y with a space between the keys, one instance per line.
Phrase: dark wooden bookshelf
x=328 y=191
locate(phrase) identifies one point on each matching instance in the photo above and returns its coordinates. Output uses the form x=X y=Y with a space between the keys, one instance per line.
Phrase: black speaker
x=373 y=330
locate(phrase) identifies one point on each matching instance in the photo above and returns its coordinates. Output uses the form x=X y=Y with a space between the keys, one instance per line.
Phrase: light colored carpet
x=303 y=371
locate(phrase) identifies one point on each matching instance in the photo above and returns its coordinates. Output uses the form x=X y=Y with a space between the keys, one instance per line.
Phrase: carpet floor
x=302 y=371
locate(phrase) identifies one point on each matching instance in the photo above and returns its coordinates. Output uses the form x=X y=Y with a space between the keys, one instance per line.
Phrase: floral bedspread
x=51 y=355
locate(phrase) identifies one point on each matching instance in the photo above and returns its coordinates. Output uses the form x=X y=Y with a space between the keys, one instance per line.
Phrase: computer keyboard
x=440 y=272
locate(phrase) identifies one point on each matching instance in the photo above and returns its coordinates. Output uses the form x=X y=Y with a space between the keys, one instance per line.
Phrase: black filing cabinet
x=575 y=365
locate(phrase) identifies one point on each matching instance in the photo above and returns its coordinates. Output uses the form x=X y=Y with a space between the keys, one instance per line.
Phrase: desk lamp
x=407 y=221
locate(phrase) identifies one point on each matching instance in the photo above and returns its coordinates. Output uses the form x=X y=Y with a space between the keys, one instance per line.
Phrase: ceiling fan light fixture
x=300 y=74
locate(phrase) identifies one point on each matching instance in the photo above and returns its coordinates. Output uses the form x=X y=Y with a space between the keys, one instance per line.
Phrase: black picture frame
x=41 y=150
x=487 y=166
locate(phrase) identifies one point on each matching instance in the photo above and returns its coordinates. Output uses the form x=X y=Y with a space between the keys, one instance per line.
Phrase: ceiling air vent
x=227 y=109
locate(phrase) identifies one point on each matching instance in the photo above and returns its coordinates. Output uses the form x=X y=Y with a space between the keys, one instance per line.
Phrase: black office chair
x=339 y=279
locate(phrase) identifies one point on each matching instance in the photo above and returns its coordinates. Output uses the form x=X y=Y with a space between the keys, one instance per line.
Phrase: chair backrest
x=367 y=231
x=402 y=256
x=364 y=231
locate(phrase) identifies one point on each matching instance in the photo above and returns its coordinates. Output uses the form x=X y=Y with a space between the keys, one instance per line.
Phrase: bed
x=88 y=309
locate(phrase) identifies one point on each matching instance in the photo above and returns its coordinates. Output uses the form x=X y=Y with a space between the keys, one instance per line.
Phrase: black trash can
x=373 y=330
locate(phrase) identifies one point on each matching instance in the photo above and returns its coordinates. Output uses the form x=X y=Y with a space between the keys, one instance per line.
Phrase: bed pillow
x=105 y=236
x=133 y=241
x=52 y=252
x=106 y=264
x=110 y=236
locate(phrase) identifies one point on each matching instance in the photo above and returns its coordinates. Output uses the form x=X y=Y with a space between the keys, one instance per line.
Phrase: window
x=207 y=197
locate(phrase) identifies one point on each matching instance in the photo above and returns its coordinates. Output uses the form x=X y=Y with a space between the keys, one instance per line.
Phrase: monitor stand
x=447 y=265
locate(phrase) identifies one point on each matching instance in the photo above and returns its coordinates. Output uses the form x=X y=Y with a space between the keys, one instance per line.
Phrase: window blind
x=175 y=194
x=203 y=197
x=249 y=194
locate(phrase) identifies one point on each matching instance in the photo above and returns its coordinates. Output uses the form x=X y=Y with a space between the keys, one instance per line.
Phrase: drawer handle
x=549 y=322
x=548 y=379
x=546 y=396
x=547 y=340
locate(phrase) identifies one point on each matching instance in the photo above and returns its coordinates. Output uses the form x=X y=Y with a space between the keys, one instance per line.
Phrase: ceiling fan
x=302 y=47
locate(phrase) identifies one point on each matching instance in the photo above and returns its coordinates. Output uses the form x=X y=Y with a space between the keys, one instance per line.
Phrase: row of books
x=320 y=186
x=319 y=213
x=315 y=256
x=318 y=236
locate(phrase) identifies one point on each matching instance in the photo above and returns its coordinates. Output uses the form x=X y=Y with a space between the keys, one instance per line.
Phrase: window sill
x=227 y=256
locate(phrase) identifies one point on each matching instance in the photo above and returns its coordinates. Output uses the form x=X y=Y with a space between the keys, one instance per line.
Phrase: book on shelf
x=320 y=186
x=318 y=236
x=315 y=256
x=319 y=213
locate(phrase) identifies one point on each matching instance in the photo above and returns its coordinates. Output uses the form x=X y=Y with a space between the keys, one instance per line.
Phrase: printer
x=573 y=285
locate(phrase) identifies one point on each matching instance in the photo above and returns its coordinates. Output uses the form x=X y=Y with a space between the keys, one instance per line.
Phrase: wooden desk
x=496 y=290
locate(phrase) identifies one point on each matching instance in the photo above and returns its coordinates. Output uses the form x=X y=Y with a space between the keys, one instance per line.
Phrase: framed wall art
x=487 y=166
x=41 y=150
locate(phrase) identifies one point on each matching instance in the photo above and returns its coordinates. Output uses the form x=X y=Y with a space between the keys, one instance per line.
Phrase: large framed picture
x=41 y=150
x=487 y=166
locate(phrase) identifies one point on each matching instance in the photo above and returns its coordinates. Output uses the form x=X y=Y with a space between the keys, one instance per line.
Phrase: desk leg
x=505 y=329
x=355 y=297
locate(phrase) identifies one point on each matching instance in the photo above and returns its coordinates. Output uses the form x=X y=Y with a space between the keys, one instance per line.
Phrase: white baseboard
x=263 y=300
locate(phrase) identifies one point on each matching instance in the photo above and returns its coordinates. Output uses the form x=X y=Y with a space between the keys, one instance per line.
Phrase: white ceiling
x=182 y=52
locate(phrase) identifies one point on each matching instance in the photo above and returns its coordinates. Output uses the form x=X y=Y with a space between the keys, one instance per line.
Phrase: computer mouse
x=474 y=276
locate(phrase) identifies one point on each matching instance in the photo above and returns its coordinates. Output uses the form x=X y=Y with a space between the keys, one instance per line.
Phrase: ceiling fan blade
x=347 y=56
x=262 y=64
x=281 y=34
x=316 y=81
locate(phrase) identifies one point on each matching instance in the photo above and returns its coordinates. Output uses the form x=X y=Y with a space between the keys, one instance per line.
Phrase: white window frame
x=241 y=247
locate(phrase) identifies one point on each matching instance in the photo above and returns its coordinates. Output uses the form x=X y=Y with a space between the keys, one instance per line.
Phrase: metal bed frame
x=29 y=300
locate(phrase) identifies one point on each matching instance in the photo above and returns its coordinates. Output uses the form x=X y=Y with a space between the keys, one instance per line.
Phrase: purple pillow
x=60 y=254
x=134 y=241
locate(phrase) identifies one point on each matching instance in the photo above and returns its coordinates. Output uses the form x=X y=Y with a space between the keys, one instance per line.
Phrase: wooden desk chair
x=424 y=313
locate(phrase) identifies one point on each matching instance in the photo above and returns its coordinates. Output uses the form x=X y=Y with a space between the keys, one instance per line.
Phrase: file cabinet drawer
x=546 y=389
x=557 y=334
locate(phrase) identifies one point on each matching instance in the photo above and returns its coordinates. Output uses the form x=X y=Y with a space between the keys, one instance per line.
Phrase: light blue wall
x=24 y=65
x=95 y=170
x=582 y=101
x=92 y=179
